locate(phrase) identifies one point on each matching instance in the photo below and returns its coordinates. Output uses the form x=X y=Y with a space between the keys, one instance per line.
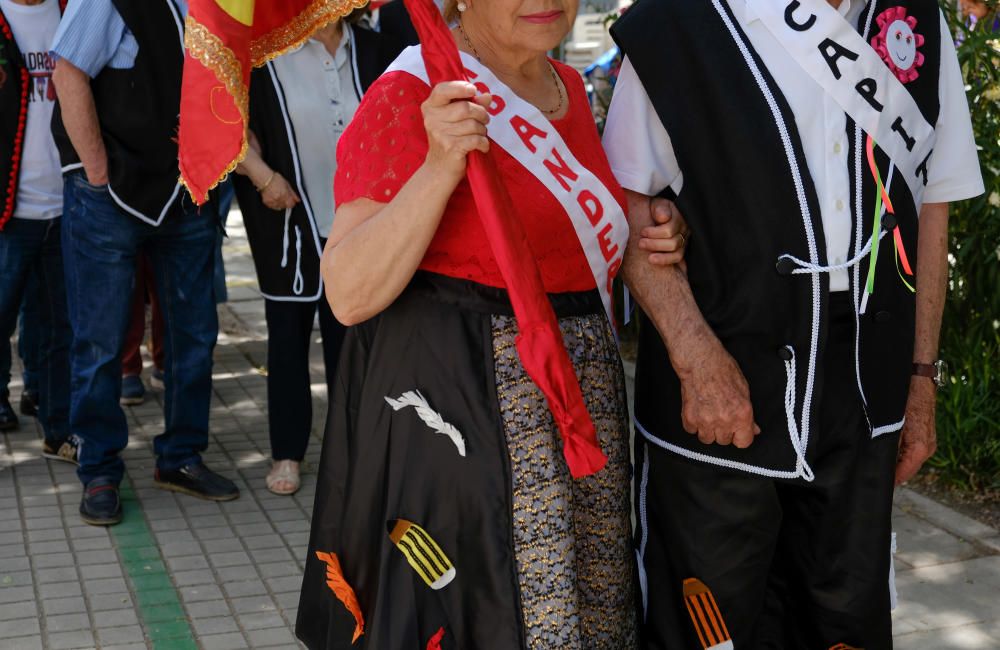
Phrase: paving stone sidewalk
x=184 y=573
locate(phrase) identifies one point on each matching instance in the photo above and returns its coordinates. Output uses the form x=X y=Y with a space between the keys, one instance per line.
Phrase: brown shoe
x=67 y=451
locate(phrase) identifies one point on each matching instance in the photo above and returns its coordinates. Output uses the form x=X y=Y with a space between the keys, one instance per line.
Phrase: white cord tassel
x=299 y=282
x=284 y=239
x=430 y=417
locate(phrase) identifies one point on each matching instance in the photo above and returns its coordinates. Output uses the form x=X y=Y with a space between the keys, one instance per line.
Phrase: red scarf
x=539 y=344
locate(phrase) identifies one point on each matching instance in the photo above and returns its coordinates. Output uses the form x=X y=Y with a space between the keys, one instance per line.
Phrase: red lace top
x=386 y=143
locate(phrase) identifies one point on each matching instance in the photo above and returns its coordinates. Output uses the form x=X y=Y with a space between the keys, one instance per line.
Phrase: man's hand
x=715 y=396
x=918 y=439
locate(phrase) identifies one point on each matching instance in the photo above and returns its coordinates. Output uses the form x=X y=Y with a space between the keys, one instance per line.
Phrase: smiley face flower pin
x=898 y=43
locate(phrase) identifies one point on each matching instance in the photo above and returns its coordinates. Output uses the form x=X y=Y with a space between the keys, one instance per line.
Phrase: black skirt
x=444 y=500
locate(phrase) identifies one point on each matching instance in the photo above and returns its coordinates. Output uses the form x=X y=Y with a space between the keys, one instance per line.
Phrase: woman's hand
x=278 y=193
x=455 y=118
x=666 y=240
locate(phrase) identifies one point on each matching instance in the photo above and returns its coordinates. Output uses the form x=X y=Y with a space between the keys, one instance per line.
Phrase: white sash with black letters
x=523 y=132
x=827 y=47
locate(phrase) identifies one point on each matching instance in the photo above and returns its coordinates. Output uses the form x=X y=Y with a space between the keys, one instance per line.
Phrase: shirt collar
x=750 y=15
x=343 y=49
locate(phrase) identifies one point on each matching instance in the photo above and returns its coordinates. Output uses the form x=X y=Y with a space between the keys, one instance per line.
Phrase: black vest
x=272 y=241
x=14 y=88
x=740 y=200
x=138 y=111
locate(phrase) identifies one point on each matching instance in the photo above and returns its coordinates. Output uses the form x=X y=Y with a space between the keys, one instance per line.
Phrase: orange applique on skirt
x=705 y=616
x=338 y=584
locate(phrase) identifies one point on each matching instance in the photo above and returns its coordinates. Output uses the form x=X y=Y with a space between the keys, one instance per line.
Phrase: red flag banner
x=224 y=40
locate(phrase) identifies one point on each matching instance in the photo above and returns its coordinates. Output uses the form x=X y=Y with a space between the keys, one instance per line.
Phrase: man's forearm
x=663 y=293
x=932 y=280
x=714 y=393
x=79 y=115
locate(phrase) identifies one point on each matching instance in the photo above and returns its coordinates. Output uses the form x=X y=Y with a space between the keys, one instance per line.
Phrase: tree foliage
x=969 y=407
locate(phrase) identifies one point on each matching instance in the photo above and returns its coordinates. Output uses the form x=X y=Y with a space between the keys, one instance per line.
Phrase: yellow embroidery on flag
x=705 y=616
x=423 y=554
x=240 y=10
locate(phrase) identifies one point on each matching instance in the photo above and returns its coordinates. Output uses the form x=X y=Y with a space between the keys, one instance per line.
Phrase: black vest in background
x=138 y=111
x=740 y=201
x=14 y=88
x=287 y=272
x=394 y=21
x=13 y=118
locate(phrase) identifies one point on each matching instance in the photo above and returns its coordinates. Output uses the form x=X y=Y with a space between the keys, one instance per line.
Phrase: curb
x=949 y=520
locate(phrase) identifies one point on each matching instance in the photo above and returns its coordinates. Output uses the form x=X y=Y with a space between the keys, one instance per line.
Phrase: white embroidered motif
x=430 y=417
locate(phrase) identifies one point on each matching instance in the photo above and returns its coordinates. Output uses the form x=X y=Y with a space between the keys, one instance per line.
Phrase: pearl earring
x=462 y=6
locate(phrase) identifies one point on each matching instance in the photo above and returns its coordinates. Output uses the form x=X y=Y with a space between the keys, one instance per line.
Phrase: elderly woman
x=446 y=515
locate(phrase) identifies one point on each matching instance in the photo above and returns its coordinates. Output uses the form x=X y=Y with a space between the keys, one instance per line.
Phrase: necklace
x=552 y=71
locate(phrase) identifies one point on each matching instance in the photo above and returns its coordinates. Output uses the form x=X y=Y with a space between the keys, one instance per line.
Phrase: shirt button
x=836 y=147
x=840 y=205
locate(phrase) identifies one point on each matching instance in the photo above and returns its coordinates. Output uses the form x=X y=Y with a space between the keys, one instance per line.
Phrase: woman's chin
x=542 y=37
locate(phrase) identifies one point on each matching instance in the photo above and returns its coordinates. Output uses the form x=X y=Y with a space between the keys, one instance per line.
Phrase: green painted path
x=157 y=599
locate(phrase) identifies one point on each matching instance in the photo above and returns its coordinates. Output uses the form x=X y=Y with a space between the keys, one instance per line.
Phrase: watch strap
x=928 y=370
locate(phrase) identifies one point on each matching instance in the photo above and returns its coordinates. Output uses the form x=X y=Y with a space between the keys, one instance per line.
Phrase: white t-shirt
x=40 y=189
x=643 y=158
x=322 y=99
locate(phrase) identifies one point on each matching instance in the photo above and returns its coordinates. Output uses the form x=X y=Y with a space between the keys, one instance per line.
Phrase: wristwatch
x=936 y=372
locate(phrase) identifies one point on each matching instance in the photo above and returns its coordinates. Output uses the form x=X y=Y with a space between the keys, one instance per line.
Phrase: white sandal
x=284 y=471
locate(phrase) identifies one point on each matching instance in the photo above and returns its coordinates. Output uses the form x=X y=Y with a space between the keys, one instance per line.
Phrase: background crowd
x=95 y=229
x=80 y=262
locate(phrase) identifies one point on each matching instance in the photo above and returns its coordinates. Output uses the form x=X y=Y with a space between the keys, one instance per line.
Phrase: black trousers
x=289 y=394
x=791 y=565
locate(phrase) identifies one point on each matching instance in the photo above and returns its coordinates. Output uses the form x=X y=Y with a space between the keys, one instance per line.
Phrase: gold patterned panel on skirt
x=572 y=539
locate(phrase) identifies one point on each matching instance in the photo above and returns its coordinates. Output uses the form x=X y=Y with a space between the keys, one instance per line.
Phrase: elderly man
x=786 y=378
x=118 y=78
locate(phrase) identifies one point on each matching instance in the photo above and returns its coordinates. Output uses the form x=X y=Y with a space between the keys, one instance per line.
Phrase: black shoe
x=29 y=403
x=68 y=450
x=101 y=505
x=8 y=418
x=198 y=481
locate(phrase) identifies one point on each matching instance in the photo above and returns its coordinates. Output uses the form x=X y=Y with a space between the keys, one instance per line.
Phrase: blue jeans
x=28 y=341
x=101 y=243
x=30 y=248
x=28 y=329
x=226 y=194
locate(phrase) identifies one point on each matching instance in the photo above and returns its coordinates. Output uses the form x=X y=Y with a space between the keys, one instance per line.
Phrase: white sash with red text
x=827 y=46
x=522 y=131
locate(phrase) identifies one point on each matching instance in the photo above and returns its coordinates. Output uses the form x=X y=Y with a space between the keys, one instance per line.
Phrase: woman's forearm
x=374 y=249
x=253 y=165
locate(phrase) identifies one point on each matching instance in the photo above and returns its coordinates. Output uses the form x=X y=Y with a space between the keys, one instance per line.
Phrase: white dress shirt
x=643 y=159
x=322 y=98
